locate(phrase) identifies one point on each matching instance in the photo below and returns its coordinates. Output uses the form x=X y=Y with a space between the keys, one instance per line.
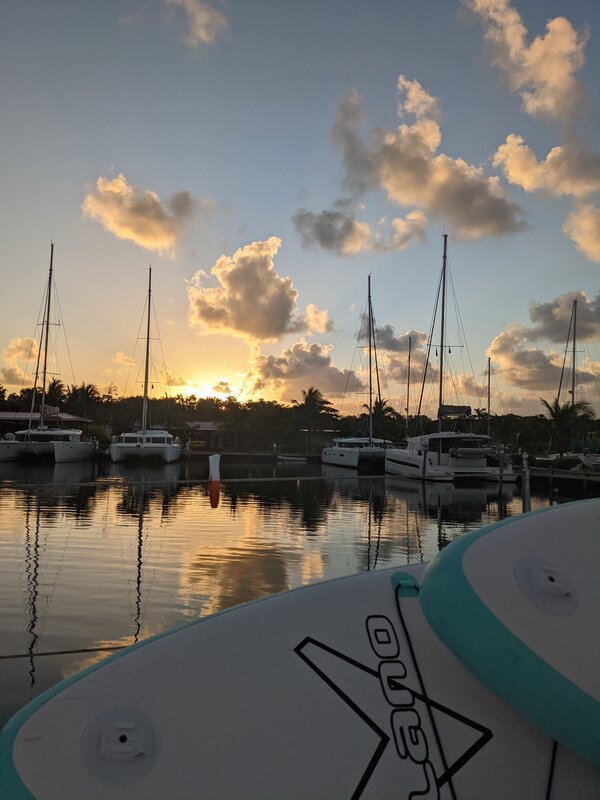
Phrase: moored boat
x=147 y=442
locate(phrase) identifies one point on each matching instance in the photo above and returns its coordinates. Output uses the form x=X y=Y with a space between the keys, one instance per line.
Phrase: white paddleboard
x=344 y=689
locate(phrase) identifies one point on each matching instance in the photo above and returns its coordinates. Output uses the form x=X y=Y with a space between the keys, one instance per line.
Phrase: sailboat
x=60 y=444
x=359 y=451
x=447 y=455
x=146 y=442
x=588 y=459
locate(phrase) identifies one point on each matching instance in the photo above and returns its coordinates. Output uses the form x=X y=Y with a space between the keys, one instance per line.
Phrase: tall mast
x=488 y=388
x=146 y=369
x=408 y=383
x=574 y=356
x=46 y=335
x=370 y=366
x=443 y=324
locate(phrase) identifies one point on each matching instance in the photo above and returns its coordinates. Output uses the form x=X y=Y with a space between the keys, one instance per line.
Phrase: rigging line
x=65 y=652
x=429 y=343
x=135 y=347
x=61 y=323
x=562 y=372
x=464 y=338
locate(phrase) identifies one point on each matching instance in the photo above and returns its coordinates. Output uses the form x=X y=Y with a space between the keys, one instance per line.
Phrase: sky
x=265 y=158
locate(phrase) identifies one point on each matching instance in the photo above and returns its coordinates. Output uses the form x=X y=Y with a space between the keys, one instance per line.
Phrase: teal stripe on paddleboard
x=499 y=659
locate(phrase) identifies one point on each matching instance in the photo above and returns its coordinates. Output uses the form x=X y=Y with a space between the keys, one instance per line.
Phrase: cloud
x=318 y=320
x=18 y=349
x=13 y=375
x=205 y=21
x=121 y=358
x=404 y=163
x=543 y=72
x=567 y=170
x=223 y=387
x=336 y=230
x=173 y=380
x=551 y=320
x=252 y=300
x=298 y=367
x=583 y=227
x=139 y=215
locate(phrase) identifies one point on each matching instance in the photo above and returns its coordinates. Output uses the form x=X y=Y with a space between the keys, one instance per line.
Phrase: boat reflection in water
x=456 y=509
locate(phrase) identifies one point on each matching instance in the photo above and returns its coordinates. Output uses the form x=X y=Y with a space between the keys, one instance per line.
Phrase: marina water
x=95 y=557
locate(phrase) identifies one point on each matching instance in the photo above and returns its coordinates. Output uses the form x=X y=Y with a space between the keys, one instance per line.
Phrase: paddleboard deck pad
x=364 y=687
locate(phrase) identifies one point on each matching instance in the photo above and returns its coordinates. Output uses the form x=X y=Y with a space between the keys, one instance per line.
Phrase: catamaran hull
x=126 y=452
x=399 y=462
x=73 y=451
x=10 y=450
x=355 y=458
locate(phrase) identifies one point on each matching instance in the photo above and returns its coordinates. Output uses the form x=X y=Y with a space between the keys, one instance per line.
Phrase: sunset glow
x=264 y=185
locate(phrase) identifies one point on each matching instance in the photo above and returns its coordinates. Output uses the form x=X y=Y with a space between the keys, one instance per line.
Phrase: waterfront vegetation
x=304 y=424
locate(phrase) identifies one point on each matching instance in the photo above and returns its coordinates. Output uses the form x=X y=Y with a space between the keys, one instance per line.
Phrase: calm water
x=95 y=557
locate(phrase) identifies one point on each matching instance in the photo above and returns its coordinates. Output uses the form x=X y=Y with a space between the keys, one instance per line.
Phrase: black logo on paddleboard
x=399 y=712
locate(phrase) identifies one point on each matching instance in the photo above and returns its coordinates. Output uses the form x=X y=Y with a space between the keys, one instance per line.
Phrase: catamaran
x=146 y=442
x=359 y=451
x=42 y=440
x=448 y=455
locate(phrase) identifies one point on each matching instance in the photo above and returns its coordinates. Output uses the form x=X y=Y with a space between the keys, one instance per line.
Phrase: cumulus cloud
x=121 y=358
x=583 y=227
x=551 y=320
x=18 y=349
x=173 y=380
x=567 y=170
x=223 y=387
x=404 y=163
x=205 y=20
x=138 y=214
x=252 y=300
x=300 y=366
x=521 y=362
x=318 y=319
x=542 y=72
x=339 y=232
x=530 y=368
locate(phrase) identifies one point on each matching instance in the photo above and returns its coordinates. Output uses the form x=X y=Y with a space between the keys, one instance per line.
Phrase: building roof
x=25 y=416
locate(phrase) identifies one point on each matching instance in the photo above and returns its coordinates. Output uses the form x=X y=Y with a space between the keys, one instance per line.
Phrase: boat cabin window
x=158 y=440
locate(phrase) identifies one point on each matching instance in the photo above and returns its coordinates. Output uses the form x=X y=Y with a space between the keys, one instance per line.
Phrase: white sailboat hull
x=121 y=451
x=73 y=451
x=10 y=450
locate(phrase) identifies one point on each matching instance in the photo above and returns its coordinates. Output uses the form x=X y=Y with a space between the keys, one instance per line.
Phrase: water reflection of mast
x=138 y=575
x=32 y=565
x=369 y=533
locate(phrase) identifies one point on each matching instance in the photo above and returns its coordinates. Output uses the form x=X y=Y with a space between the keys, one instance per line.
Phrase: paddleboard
x=361 y=687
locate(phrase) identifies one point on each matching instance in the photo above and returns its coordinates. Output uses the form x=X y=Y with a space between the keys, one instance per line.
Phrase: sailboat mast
x=408 y=382
x=488 y=396
x=46 y=337
x=370 y=365
x=443 y=324
x=146 y=368
x=574 y=345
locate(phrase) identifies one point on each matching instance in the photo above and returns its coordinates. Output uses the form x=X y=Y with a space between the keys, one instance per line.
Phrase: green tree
x=82 y=399
x=314 y=412
x=566 y=419
x=56 y=393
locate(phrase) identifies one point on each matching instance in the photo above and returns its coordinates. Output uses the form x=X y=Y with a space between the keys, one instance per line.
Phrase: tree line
x=305 y=423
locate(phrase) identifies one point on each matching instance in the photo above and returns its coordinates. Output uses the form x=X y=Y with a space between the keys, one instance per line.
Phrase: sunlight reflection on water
x=95 y=557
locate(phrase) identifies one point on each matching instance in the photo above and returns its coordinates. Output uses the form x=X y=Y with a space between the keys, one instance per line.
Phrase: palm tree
x=384 y=418
x=56 y=393
x=314 y=409
x=83 y=398
x=565 y=417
